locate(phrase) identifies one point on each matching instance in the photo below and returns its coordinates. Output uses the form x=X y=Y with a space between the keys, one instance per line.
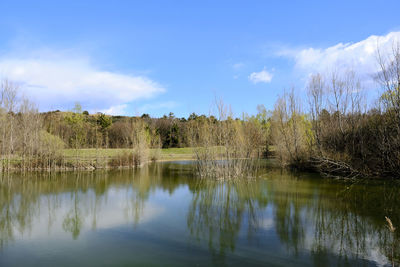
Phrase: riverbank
x=111 y=158
x=91 y=154
x=91 y=159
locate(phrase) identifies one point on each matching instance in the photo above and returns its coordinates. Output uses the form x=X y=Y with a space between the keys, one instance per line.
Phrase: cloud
x=359 y=56
x=260 y=77
x=238 y=66
x=113 y=110
x=56 y=81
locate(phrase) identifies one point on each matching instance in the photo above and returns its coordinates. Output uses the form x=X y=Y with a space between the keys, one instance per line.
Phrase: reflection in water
x=324 y=217
x=73 y=221
x=335 y=217
x=23 y=198
x=218 y=210
x=278 y=218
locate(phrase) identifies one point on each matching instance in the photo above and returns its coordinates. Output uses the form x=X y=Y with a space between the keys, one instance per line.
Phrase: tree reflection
x=334 y=222
x=73 y=220
x=338 y=222
x=84 y=195
x=288 y=204
x=218 y=211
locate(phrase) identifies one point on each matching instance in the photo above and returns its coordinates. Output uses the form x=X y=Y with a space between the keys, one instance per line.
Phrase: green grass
x=92 y=153
x=177 y=153
x=89 y=154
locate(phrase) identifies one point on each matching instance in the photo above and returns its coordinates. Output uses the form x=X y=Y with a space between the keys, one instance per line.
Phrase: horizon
x=157 y=58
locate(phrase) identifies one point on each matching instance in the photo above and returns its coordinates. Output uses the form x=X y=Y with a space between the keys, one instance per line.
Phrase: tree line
x=36 y=140
x=335 y=130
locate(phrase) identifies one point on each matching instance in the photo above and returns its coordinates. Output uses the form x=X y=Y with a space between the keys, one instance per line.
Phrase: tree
x=291 y=131
x=75 y=120
x=104 y=122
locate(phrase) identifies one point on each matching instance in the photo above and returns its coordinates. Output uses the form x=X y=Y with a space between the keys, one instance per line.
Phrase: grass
x=177 y=153
x=90 y=156
x=90 y=153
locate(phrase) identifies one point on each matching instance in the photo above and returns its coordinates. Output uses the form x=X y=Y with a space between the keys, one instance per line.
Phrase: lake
x=163 y=215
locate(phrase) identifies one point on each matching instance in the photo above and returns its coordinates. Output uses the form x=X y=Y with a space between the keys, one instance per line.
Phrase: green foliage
x=104 y=121
x=51 y=143
x=75 y=119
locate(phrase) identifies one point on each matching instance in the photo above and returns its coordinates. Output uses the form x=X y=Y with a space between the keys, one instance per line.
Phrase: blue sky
x=134 y=57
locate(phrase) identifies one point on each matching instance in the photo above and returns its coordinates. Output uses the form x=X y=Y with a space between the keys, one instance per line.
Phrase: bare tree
x=316 y=91
x=291 y=131
x=8 y=103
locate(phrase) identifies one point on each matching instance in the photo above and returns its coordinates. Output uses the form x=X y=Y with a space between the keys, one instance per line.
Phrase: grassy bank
x=92 y=154
x=90 y=158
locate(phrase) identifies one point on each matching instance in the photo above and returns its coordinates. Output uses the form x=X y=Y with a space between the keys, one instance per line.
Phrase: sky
x=156 y=57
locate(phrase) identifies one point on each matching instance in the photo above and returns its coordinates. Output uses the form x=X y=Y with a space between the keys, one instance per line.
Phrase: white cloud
x=260 y=77
x=56 y=81
x=359 y=56
x=238 y=66
x=114 y=110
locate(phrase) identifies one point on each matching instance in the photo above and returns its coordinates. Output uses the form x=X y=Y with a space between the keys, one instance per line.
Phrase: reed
x=225 y=148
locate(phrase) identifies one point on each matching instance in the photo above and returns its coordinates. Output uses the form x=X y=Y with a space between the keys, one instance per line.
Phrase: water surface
x=162 y=215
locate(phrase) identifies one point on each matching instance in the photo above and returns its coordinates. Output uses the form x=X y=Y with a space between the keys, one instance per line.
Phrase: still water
x=161 y=215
